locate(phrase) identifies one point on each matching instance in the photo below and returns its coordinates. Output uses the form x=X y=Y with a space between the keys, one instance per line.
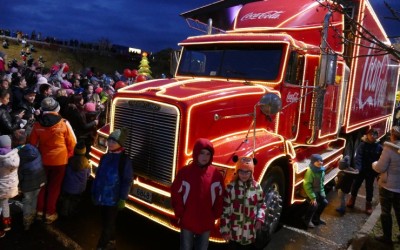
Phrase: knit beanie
x=314 y=158
x=5 y=141
x=98 y=90
x=245 y=163
x=49 y=104
x=90 y=107
x=119 y=135
x=344 y=163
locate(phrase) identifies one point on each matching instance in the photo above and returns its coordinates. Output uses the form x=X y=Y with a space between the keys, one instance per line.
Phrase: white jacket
x=388 y=166
x=9 y=174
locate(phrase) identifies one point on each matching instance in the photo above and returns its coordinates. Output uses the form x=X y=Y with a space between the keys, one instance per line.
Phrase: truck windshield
x=250 y=62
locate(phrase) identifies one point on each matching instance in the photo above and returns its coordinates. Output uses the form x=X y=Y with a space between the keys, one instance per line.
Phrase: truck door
x=291 y=96
x=331 y=116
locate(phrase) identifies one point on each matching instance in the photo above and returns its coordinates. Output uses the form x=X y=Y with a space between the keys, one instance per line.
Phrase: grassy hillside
x=77 y=59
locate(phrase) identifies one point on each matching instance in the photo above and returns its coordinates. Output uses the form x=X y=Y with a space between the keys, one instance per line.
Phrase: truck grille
x=152 y=138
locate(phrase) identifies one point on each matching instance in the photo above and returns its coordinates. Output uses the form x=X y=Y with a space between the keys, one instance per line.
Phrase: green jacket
x=314 y=183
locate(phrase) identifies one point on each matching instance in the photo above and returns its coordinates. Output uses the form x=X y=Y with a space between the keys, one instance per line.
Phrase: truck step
x=302 y=166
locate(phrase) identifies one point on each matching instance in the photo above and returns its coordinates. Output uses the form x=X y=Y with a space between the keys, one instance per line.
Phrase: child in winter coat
x=31 y=176
x=197 y=195
x=345 y=179
x=244 y=207
x=313 y=186
x=368 y=151
x=9 y=162
x=75 y=179
x=111 y=186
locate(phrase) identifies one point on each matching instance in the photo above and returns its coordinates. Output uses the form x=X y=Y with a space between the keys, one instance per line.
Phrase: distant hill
x=78 y=59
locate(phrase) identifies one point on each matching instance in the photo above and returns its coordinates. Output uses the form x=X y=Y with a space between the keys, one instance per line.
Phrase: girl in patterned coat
x=244 y=207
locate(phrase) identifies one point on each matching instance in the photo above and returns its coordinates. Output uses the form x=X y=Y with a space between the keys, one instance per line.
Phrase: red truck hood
x=190 y=88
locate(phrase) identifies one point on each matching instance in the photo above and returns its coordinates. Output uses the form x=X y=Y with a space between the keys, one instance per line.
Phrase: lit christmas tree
x=144 y=67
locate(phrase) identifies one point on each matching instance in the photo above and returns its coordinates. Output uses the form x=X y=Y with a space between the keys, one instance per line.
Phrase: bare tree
x=105 y=44
x=83 y=57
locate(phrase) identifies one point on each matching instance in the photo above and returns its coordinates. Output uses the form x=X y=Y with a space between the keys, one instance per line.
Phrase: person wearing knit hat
x=31 y=174
x=111 y=186
x=243 y=200
x=119 y=136
x=56 y=140
x=313 y=186
x=344 y=180
x=5 y=144
x=89 y=107
x=198 y=186
x=50 y=105
x=244 y=168
x=9 y=163
x=367 y=152
x=28 y=106
x=75 y=179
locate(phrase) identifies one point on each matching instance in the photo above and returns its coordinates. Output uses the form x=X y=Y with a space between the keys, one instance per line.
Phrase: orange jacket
x=55 y=139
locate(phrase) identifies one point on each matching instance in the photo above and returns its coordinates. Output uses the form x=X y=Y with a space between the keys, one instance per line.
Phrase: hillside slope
x=77 y=59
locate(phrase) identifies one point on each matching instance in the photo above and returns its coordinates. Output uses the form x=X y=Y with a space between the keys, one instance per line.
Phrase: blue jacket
x=366 y=154
x=75 y=180
x=108 y=187
x=31 y=173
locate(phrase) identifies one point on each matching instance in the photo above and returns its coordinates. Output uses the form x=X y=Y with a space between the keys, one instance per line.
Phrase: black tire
x=273 y=185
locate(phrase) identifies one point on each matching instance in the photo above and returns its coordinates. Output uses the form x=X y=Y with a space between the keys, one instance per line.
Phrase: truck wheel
x=274 y=188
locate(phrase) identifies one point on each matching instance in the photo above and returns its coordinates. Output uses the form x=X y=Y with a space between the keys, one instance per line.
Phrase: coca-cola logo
x=292 y=97
x=272 y=14
x=374 y=80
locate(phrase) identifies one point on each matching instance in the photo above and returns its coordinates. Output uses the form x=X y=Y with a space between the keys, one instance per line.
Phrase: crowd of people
x=48 y=123
x=37 y=37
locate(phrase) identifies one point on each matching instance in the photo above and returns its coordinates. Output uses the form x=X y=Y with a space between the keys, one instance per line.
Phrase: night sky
x=150 y=25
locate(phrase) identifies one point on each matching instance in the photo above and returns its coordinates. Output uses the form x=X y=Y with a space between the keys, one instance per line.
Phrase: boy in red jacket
x=197 y=197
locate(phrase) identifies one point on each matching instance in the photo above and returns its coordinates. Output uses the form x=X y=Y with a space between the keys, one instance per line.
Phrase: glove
x=121 y=204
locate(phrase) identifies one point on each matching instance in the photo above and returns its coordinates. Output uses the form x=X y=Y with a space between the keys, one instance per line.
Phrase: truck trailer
x=276 y=80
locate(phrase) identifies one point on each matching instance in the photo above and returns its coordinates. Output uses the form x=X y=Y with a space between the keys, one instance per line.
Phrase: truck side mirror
x=270 y=104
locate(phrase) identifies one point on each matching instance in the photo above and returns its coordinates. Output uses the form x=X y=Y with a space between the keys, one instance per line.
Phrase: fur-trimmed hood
x=394 y=145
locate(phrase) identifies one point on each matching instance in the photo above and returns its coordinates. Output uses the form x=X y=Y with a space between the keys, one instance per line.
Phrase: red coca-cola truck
x=279 y=81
